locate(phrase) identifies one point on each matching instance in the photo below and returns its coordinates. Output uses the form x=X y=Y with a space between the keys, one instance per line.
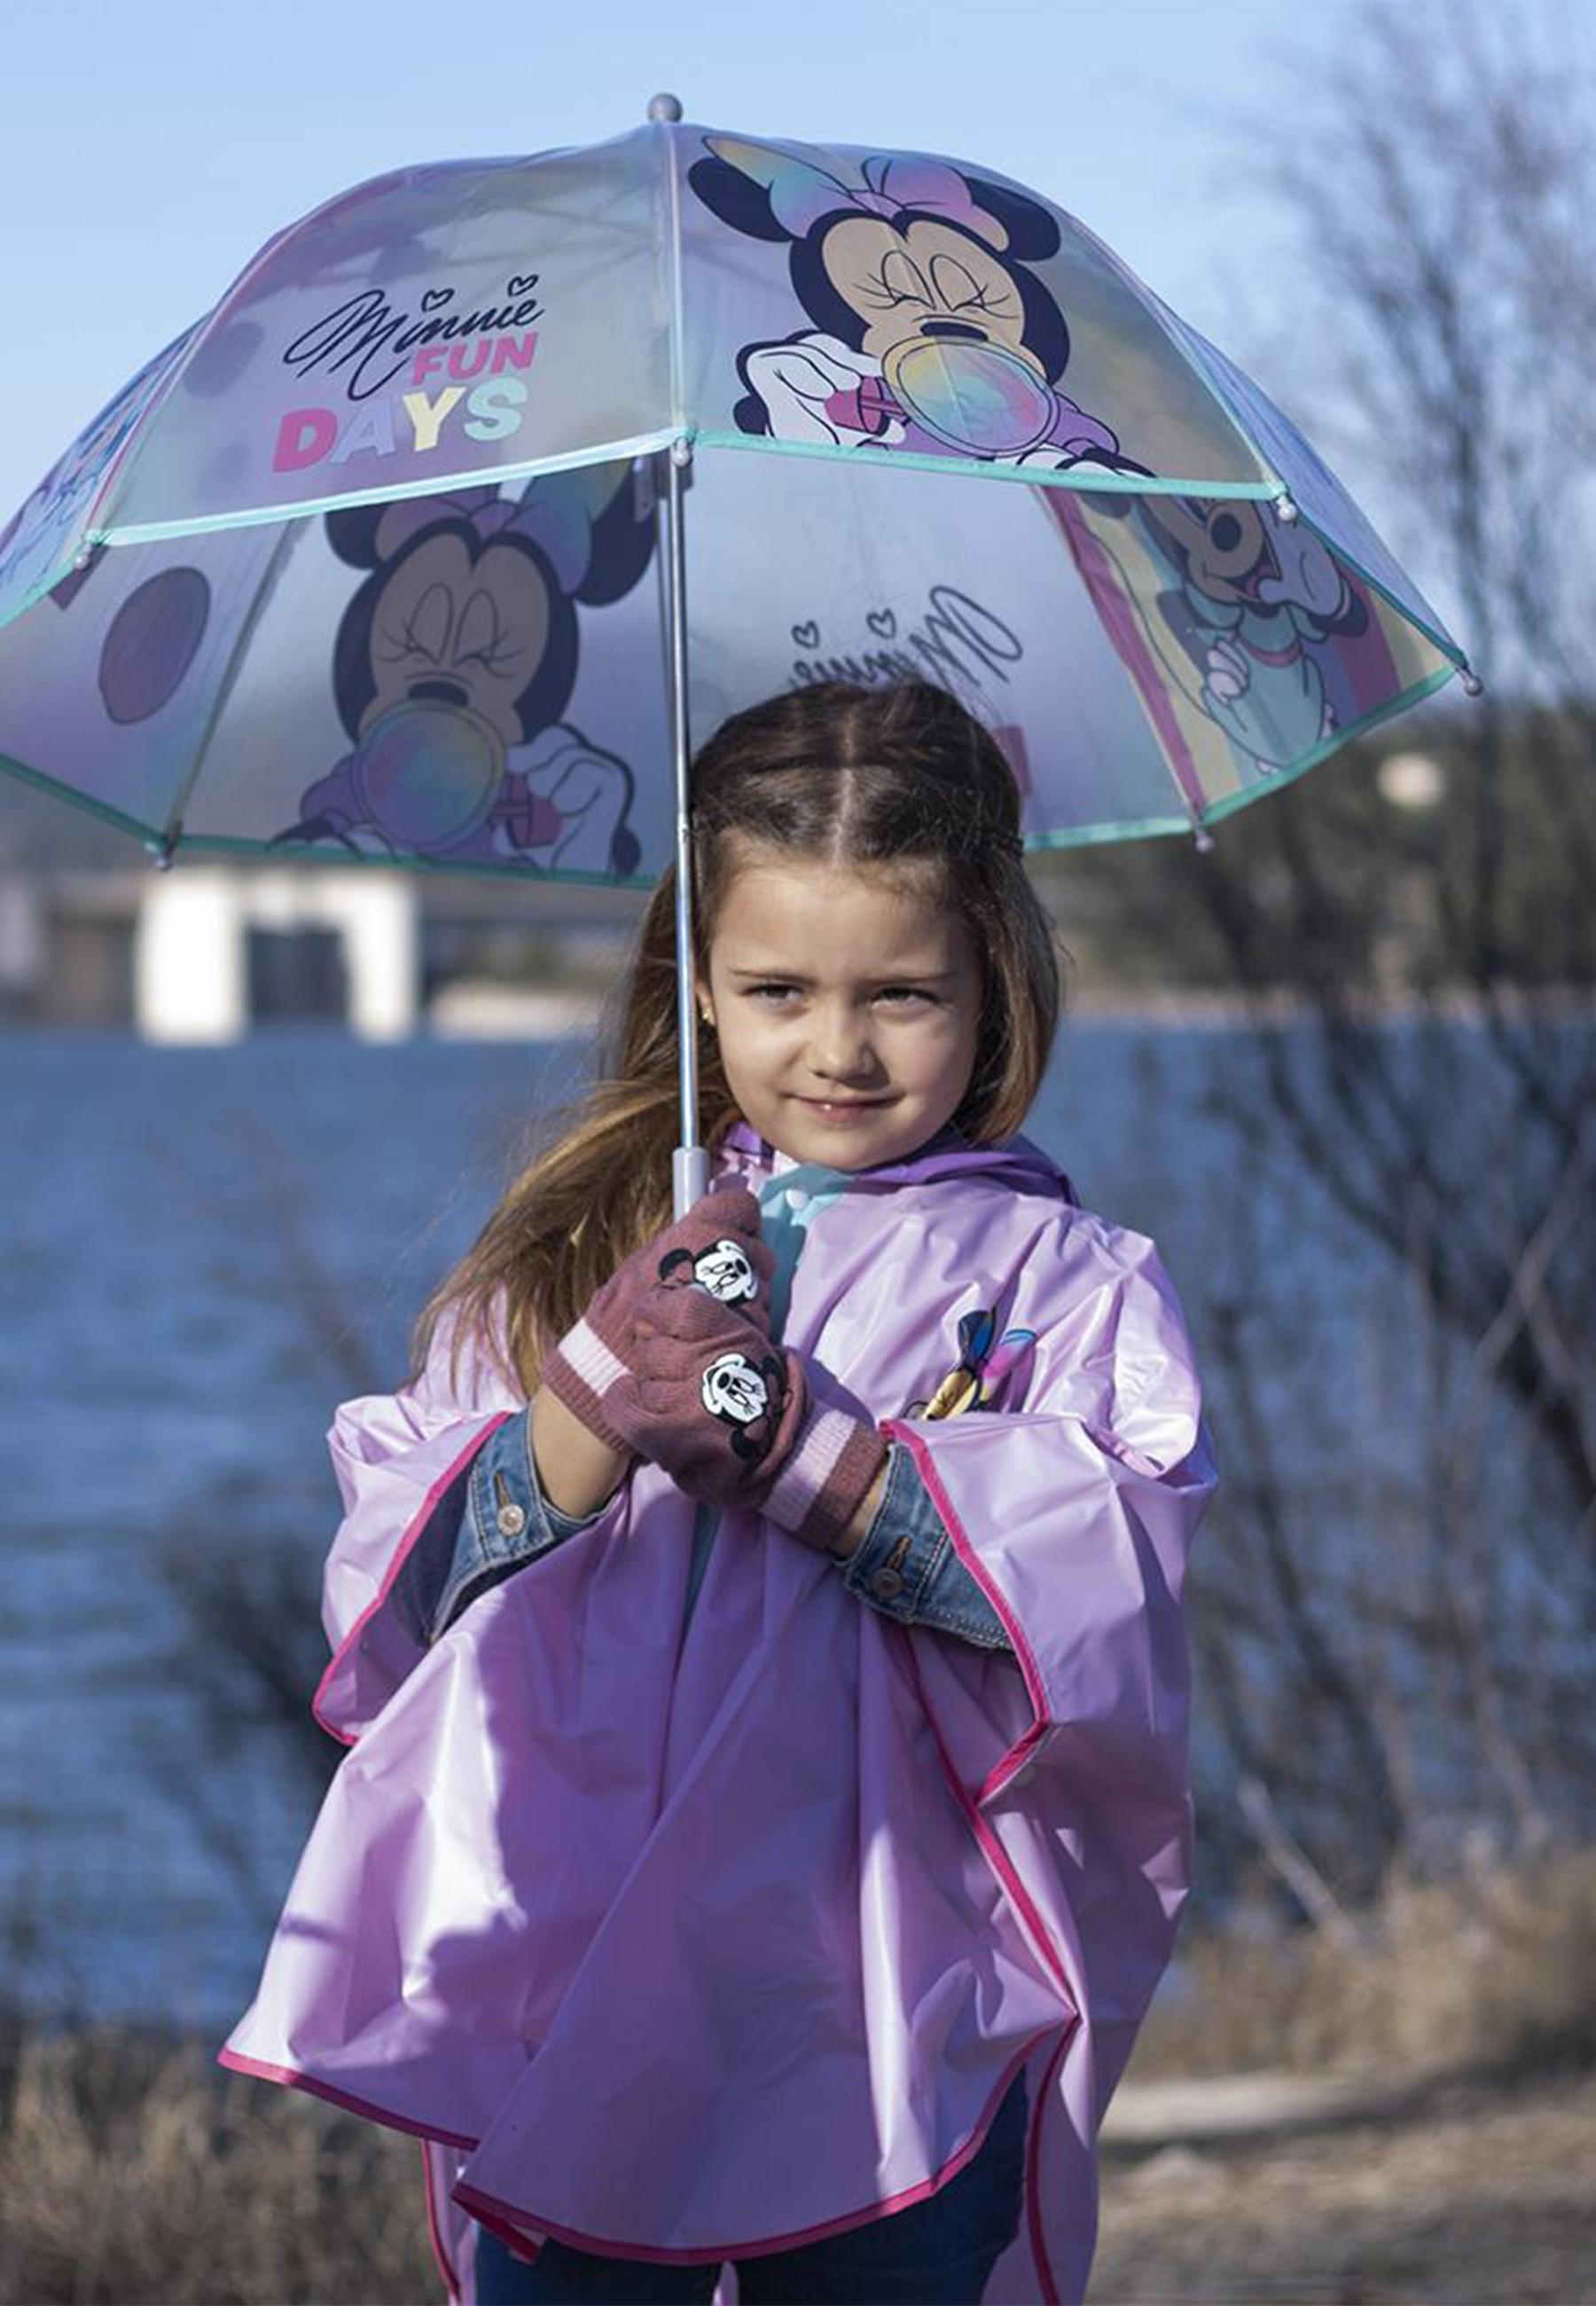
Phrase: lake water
x=169 y=1216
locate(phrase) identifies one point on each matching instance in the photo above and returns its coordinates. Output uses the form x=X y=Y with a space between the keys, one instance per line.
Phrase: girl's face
x=845 y=1010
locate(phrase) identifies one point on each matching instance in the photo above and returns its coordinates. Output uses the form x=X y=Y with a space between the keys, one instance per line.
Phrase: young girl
x=759 y=1636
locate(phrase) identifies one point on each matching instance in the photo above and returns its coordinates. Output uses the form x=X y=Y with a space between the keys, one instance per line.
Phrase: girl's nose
x=840 y=1047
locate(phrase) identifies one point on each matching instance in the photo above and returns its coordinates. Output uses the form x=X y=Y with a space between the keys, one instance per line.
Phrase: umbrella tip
x=665 y=106
x=1473 y=686
x=1285 y=507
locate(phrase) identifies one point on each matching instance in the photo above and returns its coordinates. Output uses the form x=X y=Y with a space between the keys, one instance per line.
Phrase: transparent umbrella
x=490 y=487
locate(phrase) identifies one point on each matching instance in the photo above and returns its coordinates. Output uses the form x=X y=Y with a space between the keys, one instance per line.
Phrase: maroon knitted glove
x=707 y=1398
x=713 y=1256
x=737 y=1423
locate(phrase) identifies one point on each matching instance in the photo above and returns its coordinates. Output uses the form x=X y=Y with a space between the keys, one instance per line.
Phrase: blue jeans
x=940 y=2251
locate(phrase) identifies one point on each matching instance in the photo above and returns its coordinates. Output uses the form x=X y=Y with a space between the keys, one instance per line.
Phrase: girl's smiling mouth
x=842 y=1108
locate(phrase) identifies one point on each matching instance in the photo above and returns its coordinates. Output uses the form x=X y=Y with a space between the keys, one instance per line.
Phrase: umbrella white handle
x=689 y=1177
x=689 y=1163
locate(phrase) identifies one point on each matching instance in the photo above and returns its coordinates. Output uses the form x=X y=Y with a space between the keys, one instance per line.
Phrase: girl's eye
x=904 y=992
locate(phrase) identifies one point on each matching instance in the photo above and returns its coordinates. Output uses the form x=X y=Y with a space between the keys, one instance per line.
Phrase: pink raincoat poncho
x=700 y=1956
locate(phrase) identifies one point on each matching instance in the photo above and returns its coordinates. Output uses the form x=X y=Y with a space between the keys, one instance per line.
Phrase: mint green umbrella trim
x=302 y=853
x=1138 y=828
x=1414 y=693
x=1129 y=828
x=1200 y=369
x=1081 y=837
x=1161 y=315
x=58 y=791
x=46 y=584
x=157 y=532
x=1084 y=478
x=222 y=844
x=1435 y=634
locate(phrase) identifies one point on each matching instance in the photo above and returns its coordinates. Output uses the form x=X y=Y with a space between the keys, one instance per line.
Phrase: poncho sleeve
x=1074 y=1510
x=403 y=1462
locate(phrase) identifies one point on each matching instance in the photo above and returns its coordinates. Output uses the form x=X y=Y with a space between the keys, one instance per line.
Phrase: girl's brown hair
x=899 y=778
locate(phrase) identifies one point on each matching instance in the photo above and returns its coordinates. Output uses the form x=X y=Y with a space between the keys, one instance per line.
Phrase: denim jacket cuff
x=505 y=1521
x=905 y=1565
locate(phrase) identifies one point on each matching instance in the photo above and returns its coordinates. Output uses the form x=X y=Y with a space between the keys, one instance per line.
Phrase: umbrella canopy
x=218 y=625
x=368 y=562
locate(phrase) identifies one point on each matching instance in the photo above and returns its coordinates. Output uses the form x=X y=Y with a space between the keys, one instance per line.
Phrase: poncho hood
x=1017 y=1160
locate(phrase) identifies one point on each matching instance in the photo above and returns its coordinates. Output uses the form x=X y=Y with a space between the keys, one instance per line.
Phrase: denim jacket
x=495 y=1518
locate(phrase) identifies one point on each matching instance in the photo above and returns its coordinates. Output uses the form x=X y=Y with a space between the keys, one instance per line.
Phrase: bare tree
x=1440 y=176
x=1384 y=1646
x=249 y=1648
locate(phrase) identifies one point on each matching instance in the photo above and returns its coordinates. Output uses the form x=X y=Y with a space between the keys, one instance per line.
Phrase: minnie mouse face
x=748 y=1398
x=1225 y=545
x=722 y=1269
x=470 y=606
x=930 y=327
x=735 y=1389
x=457 y=627
x=454 y=657
x=925 y=279
x=475 y=631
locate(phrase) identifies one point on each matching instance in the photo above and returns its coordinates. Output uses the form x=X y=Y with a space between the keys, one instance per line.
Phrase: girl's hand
x=576 y=1472
x=714 y=1254
x=734 y=1424
x=705 y=1396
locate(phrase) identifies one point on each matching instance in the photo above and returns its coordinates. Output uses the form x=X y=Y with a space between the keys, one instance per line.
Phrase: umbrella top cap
x=665 y=106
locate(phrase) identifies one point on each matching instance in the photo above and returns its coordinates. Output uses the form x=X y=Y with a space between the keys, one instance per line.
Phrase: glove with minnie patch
x=747 y=1430
x=715 y=1253
x=673 y=1360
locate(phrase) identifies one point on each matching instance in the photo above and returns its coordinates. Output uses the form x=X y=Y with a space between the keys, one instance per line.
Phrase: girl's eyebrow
x=876 y=977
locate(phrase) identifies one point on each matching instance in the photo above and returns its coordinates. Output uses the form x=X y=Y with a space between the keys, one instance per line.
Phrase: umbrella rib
x=676 y=322
x=172 y=831
x=689 y=1163
x=1175 y=336
x=1195 y=818
x=176 y=355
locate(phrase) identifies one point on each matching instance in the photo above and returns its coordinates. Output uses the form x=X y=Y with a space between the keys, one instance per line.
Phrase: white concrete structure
x=474 y=1010
x=191 y=979
x=22 y=940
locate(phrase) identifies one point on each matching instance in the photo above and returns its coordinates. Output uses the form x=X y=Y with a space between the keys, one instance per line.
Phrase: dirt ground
x=133 y=2172
x=1461 y=2191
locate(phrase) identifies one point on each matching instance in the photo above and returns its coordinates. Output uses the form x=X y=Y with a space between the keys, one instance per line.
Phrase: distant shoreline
x=1206 y=1008
x=481 y=1010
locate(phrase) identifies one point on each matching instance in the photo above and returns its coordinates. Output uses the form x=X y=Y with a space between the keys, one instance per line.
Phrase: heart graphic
x=806 y=635
x=433 y=297
x=519 y=283
x=883 y=623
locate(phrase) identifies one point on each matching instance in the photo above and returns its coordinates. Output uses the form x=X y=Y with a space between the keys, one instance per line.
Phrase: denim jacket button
x=884 y=1584
x=511 y=1520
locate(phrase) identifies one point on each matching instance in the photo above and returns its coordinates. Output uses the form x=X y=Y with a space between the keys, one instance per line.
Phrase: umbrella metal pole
x=689 y=1163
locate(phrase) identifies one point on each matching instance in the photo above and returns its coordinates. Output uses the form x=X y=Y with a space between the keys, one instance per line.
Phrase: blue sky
x=151 y=146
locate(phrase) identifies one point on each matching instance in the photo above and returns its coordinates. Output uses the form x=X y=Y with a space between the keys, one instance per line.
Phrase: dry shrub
x=1497 y=1970
x=133 y=2169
